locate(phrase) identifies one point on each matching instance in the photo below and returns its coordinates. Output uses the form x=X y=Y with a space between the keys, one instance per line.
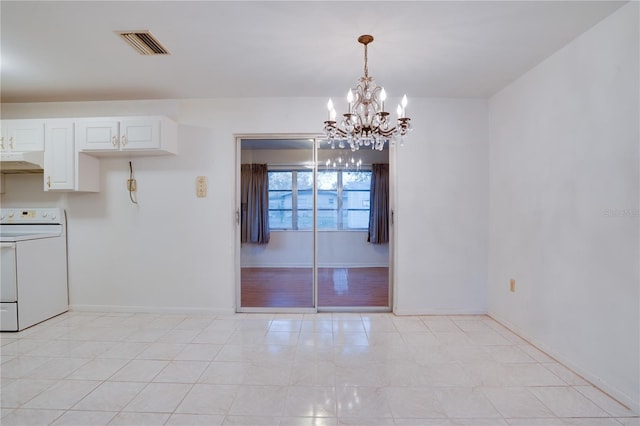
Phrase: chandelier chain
x=366 y=61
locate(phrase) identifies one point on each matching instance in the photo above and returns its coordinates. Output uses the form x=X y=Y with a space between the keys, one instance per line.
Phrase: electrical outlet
x=131 y=185
x=512 y=285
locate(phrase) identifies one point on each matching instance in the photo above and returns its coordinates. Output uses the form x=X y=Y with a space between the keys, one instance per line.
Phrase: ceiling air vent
x=143 y=42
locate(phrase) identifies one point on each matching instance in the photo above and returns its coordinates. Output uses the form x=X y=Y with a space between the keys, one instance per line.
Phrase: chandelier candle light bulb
x=404 y=106
x=332 y=111
x=366 y=123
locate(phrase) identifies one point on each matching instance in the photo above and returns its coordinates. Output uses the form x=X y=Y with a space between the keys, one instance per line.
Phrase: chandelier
x=366 y=123
x=343 y=163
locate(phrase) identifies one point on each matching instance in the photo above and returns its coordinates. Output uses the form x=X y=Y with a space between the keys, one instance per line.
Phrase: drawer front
x=8 y=317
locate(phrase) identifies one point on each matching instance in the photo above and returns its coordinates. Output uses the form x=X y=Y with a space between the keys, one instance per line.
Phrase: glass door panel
x=352 y=273
x=278 y=274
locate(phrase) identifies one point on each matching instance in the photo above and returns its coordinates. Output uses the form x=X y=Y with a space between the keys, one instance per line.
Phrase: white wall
x=176 y=252
x=442 y=210
x=565 y=205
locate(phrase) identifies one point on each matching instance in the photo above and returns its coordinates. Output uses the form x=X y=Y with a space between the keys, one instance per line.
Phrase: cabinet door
x=59 y=156
x=4 y=140
x=23 y=135
x=139 y=134
x=99 y=135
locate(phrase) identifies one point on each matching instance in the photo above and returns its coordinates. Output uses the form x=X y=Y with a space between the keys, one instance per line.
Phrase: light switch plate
x=201 y=186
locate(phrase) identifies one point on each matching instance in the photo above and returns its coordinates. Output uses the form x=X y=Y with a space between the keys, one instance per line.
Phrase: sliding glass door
x=276 y=225
x=352 y=255
x=313 y=227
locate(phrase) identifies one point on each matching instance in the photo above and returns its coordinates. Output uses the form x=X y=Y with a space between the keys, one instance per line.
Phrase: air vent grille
x=143 y=42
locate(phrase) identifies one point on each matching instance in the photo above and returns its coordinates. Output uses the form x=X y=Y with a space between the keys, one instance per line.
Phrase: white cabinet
x=65 y=169
x=21 y=135
x=72 y=146
x=128 y=135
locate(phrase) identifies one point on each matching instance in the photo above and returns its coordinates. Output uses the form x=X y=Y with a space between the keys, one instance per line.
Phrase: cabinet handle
x=124 y=140
x=48 y=181
x=114 y=141
x=11 y=142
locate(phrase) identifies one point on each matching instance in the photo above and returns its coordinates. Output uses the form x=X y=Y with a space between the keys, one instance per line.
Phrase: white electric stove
x=33 y=285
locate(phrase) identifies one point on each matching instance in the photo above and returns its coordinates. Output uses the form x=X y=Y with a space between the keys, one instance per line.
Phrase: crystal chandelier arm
x=332 y=130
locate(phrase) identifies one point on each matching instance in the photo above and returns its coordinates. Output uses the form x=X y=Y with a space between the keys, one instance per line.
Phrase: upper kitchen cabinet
x=129 y=136
x=22 y=135
x=66 y=169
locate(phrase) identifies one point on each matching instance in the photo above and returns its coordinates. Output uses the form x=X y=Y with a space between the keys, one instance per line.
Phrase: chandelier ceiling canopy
x=366 y=123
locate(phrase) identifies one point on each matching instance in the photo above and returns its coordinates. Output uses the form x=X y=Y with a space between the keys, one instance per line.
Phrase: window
x=343 y=199
x=355 y=199
x=280 y=200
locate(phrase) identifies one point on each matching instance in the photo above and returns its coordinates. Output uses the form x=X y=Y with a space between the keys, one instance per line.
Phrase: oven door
x=8 y=288
x=8 y=277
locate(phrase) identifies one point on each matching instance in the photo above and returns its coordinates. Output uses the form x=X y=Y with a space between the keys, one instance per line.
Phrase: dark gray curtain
x=379 y=205
x=254 y=203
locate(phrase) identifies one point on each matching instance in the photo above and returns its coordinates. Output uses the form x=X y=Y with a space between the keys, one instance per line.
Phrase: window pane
x=280 y=200
x=356 y=180
x=327 y=200
x=355 y=200
x=356 y=219
x=305 y=181
x=327 y=180
x=305 y=219
x=327 y=219
x=280 y=180
x=280 y=219
x=305 y=199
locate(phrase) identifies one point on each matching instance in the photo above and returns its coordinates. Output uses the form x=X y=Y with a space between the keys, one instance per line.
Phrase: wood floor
x=293 y=287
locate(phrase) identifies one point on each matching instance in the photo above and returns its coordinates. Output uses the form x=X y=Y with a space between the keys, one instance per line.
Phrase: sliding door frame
x=238 y=261
x=391 y=259
x=317 y=140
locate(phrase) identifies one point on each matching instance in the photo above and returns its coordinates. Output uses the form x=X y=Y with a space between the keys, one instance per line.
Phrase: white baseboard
x=596 y=381
x=469 y=311
x=151 y=310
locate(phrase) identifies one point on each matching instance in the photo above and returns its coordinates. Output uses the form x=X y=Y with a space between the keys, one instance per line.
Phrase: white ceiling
x=68 y=51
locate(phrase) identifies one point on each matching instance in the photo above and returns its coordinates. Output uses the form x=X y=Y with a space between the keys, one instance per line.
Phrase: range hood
x=22 y=162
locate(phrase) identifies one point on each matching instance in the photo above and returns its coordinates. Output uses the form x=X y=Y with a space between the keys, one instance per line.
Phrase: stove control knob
x=10 y=215
x=53 y=217
x=2 y=217
x=44 y=214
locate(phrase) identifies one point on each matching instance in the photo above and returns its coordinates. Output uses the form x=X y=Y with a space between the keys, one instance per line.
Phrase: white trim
x=277 y=310
x=150 y=310
x=430 y=311
x=328 y=265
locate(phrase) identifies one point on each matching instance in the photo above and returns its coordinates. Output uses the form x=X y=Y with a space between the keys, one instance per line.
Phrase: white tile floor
x=324 y=369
